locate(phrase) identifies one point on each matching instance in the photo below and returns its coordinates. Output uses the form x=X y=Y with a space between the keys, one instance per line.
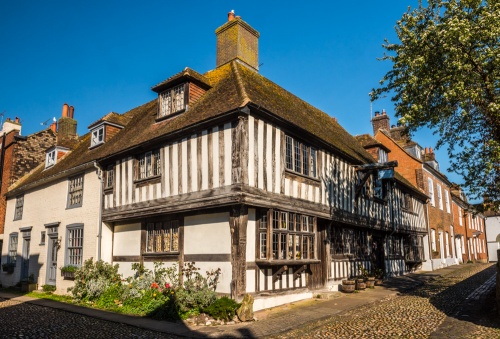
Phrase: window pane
x=313 y=163
x=275 y=245
x=289 y=156
x=276 y=220
x=305 y=247
x=291 y=222
x=298 y=158
x=283 y=246
x=284 y=217
x=305 y=160
x=297 y=247
x=263 y=245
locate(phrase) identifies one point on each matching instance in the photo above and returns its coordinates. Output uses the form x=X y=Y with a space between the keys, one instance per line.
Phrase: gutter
x=99 y=219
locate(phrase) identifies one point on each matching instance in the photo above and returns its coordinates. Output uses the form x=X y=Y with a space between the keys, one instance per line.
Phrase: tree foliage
x=446 y=75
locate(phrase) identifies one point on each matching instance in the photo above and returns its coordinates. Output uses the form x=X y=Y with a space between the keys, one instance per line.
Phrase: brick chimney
x=66 y=125
x=237 y=40
x=429 y=155
x=380 y=121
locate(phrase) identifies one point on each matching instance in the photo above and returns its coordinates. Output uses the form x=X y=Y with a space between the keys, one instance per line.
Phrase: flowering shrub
x=92 y=279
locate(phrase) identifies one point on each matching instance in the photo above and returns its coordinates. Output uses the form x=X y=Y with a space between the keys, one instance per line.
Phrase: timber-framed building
x=231 y=171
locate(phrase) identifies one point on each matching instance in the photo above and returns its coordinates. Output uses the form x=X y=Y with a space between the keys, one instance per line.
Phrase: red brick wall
x=195 y=92
x=6 y=174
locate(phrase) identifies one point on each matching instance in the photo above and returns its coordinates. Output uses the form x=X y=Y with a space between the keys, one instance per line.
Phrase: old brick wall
x=9 y=146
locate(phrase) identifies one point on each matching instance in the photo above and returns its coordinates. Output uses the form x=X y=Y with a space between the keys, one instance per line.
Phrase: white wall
x=492 y=225
x=45 y=205
x=210 y=234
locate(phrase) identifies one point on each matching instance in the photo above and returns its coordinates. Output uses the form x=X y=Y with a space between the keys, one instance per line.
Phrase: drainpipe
x=99 y=220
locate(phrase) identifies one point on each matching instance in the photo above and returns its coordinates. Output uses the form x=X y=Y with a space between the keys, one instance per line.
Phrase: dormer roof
x=186 y=75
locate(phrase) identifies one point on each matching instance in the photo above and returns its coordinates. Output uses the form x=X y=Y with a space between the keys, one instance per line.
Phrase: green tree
x=446 y=75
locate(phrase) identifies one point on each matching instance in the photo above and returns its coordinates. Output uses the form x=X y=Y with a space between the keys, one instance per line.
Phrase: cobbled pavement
x=421 y=313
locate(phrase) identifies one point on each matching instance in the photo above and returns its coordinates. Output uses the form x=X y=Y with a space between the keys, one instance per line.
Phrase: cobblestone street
x=438 y=309
x=23 y=320
x=454 y=303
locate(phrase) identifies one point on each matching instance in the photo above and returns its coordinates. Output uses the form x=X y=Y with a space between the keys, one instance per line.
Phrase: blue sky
x=103 y=56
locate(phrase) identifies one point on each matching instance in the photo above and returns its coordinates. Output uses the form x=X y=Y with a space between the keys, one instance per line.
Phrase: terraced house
x=231 y=171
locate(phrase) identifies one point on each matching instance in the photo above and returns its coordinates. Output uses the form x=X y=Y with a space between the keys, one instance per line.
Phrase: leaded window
x=149 y=165
x=11 y=259
x=300 y=158
x=18 y=214
x=162 y=236
x=75 y=191
x=349 y=242
x=109 y=177
x=74 y=246
x=291 y=236
x=172 y=101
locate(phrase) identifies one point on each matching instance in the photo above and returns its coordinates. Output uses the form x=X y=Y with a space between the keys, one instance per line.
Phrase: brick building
x=420 y=167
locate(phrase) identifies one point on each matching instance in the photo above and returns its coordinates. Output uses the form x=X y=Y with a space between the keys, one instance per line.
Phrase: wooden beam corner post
x=238 y=220
x=240 y=151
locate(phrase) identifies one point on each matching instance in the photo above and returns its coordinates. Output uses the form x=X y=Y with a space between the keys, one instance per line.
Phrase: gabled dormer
x=105 y=128
x=178 y=92
x=53 y=154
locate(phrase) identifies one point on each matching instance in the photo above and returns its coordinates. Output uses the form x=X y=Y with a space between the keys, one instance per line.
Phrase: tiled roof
x=185 y=73
x=80 y=155
x=114 y=118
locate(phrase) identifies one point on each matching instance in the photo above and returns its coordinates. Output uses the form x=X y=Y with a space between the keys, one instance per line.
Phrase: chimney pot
x=230 y=15
x=64 y=110
x=53 y=126
x=377 y=113
x=393 y=126
x=430 y=150
x=71 y=111
x=383 y=112
x=17 y=120
x=426 y=150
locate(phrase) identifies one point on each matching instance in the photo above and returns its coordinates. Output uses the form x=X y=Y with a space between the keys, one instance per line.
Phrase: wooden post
x=238 y=220
x=240 y=151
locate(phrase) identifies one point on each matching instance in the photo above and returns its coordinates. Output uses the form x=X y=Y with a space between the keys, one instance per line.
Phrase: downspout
x=99 y=220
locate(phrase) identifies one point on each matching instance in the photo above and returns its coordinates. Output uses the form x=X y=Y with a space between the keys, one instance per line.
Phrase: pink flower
x=167 y=285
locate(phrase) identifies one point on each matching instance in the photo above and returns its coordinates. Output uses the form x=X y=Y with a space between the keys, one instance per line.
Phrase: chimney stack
x=67 y=125
x=237 y=40
x=380 y=122
x=53 y=126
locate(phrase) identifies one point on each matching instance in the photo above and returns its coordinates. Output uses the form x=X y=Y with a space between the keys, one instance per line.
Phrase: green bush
x=92 y=279
x=48 y=288
x=223 y=309
x=69 y=268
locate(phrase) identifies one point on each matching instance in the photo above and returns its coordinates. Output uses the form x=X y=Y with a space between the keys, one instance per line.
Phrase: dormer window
x=97 y=136
x=172 y=100
x=50 y=160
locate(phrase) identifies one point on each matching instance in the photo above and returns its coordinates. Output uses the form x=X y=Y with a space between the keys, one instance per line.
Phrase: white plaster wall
x=127 y=239
x=250 y=250
x=492 y=229
x=44 y=205
x=261 y=303
x=207 y=234
x=107 y=243
x=210 y=234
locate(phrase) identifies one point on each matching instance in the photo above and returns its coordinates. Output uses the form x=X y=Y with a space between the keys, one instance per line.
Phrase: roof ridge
x=239 y=81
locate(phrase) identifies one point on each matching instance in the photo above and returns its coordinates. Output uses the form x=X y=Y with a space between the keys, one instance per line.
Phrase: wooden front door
x=52 y=261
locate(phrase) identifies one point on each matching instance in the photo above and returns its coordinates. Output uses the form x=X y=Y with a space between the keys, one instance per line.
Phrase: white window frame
x=50 y=159
x=447 y=201
x=460 y=216
x=382 y=156
x=430 y=183
x=433 y=240
x=98 y=135
x=109 y=177
x=447 y=243
x=439 y=196
x=74 y=245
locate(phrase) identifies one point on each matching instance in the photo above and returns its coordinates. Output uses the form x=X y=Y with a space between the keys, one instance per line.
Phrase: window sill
x=74 y=206
x=160 y=254
x=287 y=262
x=146 y=181
x=108 y=190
